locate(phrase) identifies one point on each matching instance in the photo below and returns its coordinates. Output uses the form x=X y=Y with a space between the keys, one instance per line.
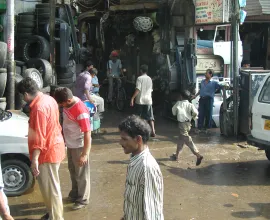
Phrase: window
x=265 y=93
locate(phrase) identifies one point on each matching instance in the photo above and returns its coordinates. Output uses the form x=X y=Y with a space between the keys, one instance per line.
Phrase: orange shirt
x=45 y=130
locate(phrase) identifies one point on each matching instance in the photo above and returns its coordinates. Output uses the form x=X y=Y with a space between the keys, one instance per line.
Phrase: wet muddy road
x=231 y=183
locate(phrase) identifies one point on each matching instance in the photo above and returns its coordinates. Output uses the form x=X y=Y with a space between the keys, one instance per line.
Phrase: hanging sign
x=211 y=11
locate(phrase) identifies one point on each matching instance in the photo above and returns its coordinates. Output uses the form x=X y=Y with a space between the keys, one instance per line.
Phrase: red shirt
x=45 y=130
x=76 y=122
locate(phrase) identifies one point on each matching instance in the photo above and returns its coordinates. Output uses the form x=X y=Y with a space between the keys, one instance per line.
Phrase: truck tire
x=267 y=154
x=35 y=75
x=3 y=103
x=26 y=24
x=65 y=81
x=36 y=47
x=57 y=26
x=24 y=178
x=44 y=5
x=26 y=17
x=44 y=67
x=3 y=53
x=3 y=82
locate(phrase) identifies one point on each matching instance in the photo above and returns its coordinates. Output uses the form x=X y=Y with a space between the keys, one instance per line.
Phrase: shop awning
x=257 y=7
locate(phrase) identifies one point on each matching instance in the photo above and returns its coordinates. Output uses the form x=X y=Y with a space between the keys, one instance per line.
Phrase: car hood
x=13 y=134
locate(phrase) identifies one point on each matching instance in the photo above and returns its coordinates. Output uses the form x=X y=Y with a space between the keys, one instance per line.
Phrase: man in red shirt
x=46 y=145
x=77 y=134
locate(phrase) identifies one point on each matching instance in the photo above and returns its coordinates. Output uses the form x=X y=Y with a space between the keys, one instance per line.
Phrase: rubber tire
x=3 y=70
x=19 y=102
x=29 y=179
x=27 y=24
x=57 y=22
x=42 y=11
x=44 y=5
x=3 y=83
x=26 y=18
x=70 y=85
x=267 y=154
x=24 y=30
x=25 y=36
x=3 y=53
x=65 y=81
x=44 y=67
x=121 y=100
x=34 y=74
x=27 y=13
x=44 y=48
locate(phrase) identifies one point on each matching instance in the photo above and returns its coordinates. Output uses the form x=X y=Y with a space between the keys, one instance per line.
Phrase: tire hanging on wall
x=3 y=53
x=36 y=47
x=44 y=67
x=35 y=75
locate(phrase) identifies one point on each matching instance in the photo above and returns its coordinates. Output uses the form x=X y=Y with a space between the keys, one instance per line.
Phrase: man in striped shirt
x=77 y=134
x=143 y=198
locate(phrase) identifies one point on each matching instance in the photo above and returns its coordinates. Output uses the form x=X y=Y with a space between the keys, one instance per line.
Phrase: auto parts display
x=143 y=24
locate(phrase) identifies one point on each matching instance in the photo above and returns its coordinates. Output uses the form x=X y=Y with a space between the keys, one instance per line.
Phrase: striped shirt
x=76 y=122
x=144 y=189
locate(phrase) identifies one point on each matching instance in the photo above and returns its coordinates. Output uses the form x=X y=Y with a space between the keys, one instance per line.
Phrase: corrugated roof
x=257 y=7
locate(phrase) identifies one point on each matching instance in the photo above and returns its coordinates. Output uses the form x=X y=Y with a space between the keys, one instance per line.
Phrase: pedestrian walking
x=207 y=94
x=185 y=112
x=46 y=145
x=83 y=88
x=77 y=134
x=143 y=98
x=143 y=198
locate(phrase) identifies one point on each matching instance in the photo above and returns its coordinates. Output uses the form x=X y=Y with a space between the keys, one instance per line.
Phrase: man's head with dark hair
x=144 y=69
x=185 y=95
x=209 y=73
x=85 y=44
x=88 y=65
x=64 y=97
x=28 y=88
x=135 y=133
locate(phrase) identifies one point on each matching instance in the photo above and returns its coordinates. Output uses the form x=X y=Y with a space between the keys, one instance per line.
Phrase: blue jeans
x=205 y=112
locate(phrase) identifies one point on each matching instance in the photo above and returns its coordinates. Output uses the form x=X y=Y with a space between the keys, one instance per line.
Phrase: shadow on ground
x=254 y=173
x=260 y=210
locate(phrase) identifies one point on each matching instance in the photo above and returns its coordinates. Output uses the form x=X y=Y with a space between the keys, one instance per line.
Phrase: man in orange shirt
x=46 y=145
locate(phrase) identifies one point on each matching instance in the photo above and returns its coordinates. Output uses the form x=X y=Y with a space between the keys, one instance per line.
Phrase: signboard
x=211 y=11
x=205 y=62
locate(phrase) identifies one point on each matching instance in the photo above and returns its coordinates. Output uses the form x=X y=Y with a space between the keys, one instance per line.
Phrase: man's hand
x=132 y=102
x=193 y=97
x=83 y=160
x=34 y=168
x=122 y=218
x=7 y=217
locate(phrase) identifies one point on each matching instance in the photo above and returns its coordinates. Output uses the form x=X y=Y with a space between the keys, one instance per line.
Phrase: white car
x=17 y=176
x=260 y=119
x=218 y=99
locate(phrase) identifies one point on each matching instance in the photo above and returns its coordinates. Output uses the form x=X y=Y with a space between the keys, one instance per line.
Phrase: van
x=260 y=118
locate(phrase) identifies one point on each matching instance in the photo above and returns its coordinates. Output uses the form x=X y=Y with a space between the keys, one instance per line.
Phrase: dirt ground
x=231 y=183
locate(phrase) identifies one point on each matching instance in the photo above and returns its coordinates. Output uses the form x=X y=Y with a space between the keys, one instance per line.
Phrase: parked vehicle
x=15 y=160
x=260 y=118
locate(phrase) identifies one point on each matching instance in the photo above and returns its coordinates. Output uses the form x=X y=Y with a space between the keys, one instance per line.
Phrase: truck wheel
x=3 y=81
x=3 y=53
x=44 y=67
x=35 y=75
x=36 y=47
x=17 y=177
x=267 y=153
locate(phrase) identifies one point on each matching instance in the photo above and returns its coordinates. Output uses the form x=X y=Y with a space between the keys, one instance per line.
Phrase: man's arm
x=137 y=91
x=3 y=209
x=87 y=93
x=37 y=138
x=174 y=109
x=86 y=149
x=196 y=95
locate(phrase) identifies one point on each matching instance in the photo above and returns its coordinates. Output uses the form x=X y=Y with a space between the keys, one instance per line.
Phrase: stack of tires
x=3 y=74
x=43 y=16
x=25 y=28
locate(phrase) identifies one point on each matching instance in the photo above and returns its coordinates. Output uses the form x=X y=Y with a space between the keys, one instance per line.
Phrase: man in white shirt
x=185 y=112
x=143 y=98
x=143 y=198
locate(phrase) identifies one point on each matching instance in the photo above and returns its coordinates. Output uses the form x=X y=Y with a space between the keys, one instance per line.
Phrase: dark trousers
x=205 y=112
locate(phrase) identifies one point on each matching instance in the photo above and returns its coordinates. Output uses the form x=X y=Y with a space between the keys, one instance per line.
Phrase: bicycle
x=119 y=97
